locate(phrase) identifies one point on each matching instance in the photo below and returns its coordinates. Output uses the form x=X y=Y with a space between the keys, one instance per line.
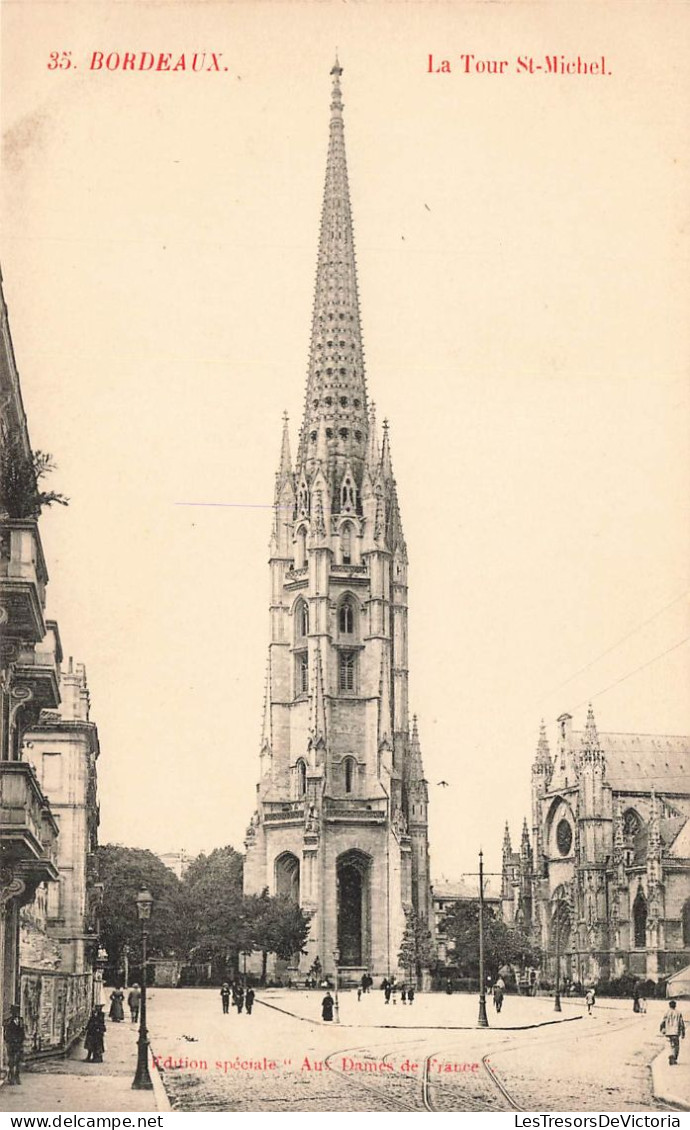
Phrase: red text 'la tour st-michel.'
x=469 y=64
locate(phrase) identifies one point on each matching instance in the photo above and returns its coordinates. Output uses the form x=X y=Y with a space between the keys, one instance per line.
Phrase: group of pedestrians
x=391 y=988
x=242 y=998
x=117 y=997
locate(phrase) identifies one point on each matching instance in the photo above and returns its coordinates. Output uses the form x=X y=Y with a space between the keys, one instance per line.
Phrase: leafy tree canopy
x=215 y=905
x=503 y=944
x=275 y=924
x=123 y=871
x=417 y=950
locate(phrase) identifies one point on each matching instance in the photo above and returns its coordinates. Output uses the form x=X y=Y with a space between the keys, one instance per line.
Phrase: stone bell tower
x=341 y=823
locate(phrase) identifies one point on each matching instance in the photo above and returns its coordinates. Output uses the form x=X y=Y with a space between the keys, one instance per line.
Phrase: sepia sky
x=522 y=244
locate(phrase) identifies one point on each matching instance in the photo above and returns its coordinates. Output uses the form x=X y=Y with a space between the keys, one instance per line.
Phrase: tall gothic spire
x=591 y=747
x=285 y=460
x=416 y=766
x=336 y=390
x=543 y=754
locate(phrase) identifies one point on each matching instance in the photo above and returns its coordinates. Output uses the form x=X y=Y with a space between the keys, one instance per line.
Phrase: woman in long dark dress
x=94 y=1038
x=327 y=1007
x=117 y=1010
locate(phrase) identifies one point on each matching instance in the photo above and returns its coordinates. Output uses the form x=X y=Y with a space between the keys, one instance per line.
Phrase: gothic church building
x=341 y=823
x=602 y=876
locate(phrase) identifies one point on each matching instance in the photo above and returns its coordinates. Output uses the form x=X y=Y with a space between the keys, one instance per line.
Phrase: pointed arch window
x=301 y=776
x=346 y=671
x=301 y=673
x=346 y=543
x=640 y=922
x=346 y=617
x=303 y=497
x=301 y=548
x=347 y=494
x=302 y=620
x=634 y=839
x=349 y=770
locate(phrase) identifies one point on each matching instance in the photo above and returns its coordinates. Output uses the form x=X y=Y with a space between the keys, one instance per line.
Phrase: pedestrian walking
x=238 y=998
x=403 y=993
x=387 y=990
x=225 y=997
x=14 y=1032
x=327 y=1007
x=249 y=1000
x=636 y=1000
x=590 y=1001
x=134 y=1002
x=498 y=997
x=410 y=994
x=673 y=1028
x=94 y=1040
x=117 y=1012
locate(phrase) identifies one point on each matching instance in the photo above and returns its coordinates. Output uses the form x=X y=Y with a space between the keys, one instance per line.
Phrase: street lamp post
x=142 y=1079
x=557 y=994
x=482 y=1020
x=336 y=1003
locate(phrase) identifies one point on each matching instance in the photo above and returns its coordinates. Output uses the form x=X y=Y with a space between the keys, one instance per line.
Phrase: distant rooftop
x=466 y=888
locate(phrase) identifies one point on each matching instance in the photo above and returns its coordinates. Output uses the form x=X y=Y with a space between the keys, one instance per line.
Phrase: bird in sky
x=443 y=784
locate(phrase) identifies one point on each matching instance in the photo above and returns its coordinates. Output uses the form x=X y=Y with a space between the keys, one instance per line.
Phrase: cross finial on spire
x=285 y=458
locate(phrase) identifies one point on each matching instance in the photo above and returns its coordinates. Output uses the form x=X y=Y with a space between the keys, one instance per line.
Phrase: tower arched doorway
x=353 y=885
x=287 y=876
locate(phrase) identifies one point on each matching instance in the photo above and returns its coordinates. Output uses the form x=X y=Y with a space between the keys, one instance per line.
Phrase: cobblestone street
x=427 y=1057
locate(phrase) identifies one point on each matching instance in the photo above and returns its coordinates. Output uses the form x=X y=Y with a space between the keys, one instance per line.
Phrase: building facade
x=603 y=876
x=30 y=657
x=48 y=747
x=341 y=822
x=63 y=746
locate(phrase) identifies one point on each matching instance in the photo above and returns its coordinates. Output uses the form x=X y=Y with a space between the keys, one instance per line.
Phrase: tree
x=276 y=925
x=417 y=950
x=216 y=908
x=20 y=477
x=123 y=871
x=503 y=944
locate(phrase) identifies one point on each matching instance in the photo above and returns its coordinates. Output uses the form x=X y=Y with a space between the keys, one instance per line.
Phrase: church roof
x=669 y=828
x=466 y=889
x=636 y=762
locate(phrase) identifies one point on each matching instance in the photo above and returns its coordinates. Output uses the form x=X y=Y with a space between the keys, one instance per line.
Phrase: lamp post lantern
x=482 y=1019
x=142 y=1079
